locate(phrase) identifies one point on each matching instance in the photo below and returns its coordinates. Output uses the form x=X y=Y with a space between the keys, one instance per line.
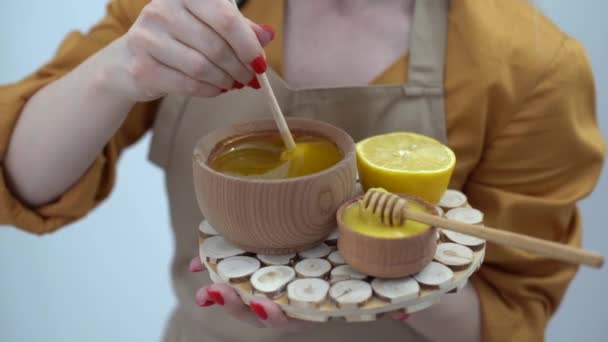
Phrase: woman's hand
x=260 y=313
x=198 y=48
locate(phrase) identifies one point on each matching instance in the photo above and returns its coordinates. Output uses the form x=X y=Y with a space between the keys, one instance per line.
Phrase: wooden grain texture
x=542 y=247
x=393 y=211
x=205 y=230
x=274 y=216
x=279 y=118
x=373 y=309
x=453 y=255
x=375 y=306
x=386 y=257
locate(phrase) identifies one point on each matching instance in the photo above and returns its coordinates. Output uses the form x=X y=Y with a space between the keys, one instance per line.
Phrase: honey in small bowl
x=262 y=155
x=379 y=250
x=366 y=223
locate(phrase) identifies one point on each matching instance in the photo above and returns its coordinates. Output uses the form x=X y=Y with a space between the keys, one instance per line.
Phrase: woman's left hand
x=259 y=313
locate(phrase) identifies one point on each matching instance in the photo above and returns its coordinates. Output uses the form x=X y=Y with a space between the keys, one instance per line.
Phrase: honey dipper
x=393 y=211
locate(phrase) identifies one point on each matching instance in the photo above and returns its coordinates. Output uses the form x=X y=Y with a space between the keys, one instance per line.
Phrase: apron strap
x=427 y=45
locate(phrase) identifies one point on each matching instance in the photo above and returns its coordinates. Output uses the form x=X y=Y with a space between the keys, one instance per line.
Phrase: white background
x=106 y=278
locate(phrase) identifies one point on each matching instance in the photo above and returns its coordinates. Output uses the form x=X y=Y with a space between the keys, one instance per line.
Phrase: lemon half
x=405 y=162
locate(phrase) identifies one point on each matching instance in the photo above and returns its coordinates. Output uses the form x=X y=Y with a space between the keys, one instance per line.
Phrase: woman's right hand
x=191 y=47
x=187 y=47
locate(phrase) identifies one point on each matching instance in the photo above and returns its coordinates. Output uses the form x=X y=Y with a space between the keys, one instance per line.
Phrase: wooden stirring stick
x=392 y=210
x=277 y=114
x=279 y=118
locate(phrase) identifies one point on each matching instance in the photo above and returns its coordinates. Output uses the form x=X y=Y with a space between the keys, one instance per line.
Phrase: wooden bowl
x=280 y=215
x=387 y=257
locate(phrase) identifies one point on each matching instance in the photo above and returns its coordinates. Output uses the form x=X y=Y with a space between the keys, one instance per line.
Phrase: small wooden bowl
x=387 y=257
x=274 y=216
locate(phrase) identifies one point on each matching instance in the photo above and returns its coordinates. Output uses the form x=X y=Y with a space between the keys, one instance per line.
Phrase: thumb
x=264 y=33
x=196 y=265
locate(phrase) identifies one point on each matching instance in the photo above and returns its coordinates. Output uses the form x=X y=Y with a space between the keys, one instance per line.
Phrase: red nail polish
x=268 y=29
x=259 y=311
x=237 y=85
x=216 y=296
x=254 y=83
x=404 y=317
x=206 y=303
x=223 y=91
x=259 y=64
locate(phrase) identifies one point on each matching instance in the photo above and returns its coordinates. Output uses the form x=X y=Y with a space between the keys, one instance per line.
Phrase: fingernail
x=258 y=310
x=254 y=83
x=216 y=296
x=404 y=317
x=223 y=91
x=259 y=64
x=268 y=30
x=206 y=303
x=237 y=85
x=195 y=266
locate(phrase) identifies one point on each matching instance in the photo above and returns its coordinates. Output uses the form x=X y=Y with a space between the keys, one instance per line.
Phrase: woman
x=494 y=79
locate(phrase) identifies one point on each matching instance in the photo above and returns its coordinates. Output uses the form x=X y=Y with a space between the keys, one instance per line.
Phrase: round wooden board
x=370 y=310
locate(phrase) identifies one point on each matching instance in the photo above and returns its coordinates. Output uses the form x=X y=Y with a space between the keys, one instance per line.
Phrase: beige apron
x=416 y=106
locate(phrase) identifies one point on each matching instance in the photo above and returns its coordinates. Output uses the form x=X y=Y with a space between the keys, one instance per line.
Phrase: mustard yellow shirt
x=520 y=116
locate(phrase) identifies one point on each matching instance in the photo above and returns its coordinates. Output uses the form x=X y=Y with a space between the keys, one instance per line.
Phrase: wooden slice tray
x=453 y=205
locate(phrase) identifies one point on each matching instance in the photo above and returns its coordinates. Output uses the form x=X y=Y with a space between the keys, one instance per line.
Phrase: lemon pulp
x=263 y=155
x=368 y=224
x=404 y=162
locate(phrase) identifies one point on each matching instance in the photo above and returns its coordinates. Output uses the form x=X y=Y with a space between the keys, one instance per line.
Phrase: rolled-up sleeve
x=547 y=158
x=95 y=185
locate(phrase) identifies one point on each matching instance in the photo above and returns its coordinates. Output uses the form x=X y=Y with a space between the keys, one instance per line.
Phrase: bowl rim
x=342 y=225
x=348 y=155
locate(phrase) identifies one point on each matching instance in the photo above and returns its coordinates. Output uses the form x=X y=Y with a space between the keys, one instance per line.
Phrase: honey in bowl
x=263 y=155
x=366 y=223
x=379 y=248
